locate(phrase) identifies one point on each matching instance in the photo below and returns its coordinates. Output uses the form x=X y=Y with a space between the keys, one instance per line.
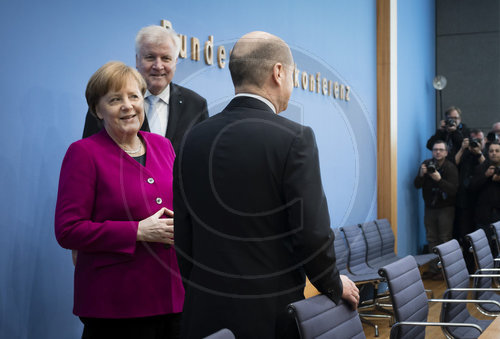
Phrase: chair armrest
x=466 y=301
x=471 y=289
x=487 y=270
x=413 y=323
x=484 y=275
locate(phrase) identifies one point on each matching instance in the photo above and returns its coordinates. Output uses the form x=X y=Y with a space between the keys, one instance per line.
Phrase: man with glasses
x=438 y=178
x=452 y=131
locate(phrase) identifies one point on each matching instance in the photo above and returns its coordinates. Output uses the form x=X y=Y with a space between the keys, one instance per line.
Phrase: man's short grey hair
x=252 y=65
x=157 y=35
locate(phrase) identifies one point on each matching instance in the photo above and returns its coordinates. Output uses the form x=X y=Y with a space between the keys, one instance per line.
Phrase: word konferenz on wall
x=312 y=82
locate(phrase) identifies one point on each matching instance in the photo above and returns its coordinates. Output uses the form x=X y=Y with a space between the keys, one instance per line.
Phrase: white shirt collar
x=264 y=100
x=164 y=95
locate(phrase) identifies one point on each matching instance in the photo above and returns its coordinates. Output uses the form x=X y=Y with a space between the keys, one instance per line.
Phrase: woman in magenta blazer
x=114 y=207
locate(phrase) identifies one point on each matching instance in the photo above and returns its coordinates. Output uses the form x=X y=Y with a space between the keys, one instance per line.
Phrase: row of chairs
x=361 y=250
x=318 y=317
x=455 y=319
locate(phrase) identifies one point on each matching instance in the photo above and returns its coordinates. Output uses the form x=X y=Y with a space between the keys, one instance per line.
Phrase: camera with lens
x=431 y=166
x=491 y=136
x=474 y=142
x=450 y=122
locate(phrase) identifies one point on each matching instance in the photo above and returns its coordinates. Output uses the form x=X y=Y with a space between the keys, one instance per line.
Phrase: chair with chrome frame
x=371 y=279
x=357 y=265
x=495 y=228
x=374 y=257
x=486 y=270
x=320 y=317
x=388 y=239
x=457 y=279
x=410 y=303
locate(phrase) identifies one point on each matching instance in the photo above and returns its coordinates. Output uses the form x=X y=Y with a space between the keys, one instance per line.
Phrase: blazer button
x=151 y=180
x=159 y=201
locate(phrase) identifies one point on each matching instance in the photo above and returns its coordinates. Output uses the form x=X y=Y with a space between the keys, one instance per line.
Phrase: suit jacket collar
x=174 y=109
x=248 y=102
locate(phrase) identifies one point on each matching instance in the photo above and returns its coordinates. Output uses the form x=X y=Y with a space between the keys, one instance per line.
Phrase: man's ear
x=278 y=73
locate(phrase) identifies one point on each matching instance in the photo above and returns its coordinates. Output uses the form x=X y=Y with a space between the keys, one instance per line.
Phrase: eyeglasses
x=438 y=149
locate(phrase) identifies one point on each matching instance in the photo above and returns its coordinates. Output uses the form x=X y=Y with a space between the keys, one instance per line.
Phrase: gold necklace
x=133 y=151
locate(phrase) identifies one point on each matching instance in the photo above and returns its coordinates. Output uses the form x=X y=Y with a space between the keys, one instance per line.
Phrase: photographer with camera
x=486 y=183
x=438 y=178
x=452 y=131
x=493 y=135
x=467 y=159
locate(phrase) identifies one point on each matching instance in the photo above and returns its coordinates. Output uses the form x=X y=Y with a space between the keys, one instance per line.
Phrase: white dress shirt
x=264 y=100
x=158 y=117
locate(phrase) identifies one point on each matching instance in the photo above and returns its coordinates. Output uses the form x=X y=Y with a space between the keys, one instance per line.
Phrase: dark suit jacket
x=487 y=209
x=186 y=108
x=251 y=221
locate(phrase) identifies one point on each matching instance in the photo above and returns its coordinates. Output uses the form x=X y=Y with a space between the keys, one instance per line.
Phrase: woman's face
x=122 y=110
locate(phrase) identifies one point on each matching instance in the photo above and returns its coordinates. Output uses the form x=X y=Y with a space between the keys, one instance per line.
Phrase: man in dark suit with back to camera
x=171 y=110
x=251 y=217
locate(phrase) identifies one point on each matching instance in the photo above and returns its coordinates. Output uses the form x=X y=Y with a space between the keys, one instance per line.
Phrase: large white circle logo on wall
x=344 y=132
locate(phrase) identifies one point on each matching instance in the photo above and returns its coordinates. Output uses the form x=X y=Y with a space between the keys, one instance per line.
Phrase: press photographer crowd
x=460 y=184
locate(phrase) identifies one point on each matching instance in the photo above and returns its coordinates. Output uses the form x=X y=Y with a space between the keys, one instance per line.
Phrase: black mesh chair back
x=484 y=261
x=222 y=334
x=456 y=276
x=341 y=252
x=319 y=317
x=357 y=250
x=387 y=235
x=373 y=242
x=409 y=299
x=495 y=228
x=342 y=255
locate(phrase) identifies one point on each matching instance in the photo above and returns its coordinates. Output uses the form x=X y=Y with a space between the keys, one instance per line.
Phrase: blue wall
x=416 y=112
x=50 y=49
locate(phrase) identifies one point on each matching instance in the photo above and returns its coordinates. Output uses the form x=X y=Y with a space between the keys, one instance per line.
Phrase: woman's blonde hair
x=111 y=76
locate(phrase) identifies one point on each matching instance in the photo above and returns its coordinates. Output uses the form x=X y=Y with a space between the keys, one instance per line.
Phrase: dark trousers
x=464 y=224
x=438 y=228
x=157 y=327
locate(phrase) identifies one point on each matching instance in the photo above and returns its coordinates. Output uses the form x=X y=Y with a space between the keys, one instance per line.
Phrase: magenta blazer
x=103 y=194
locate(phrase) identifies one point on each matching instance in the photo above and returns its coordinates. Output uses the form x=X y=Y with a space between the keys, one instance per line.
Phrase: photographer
x=438 y=178
x=452 y=131
x=467 y=159
x=493 y=135
x=486 y=183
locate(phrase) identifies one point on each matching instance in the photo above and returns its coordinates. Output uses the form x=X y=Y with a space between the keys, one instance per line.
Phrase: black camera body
x=491 y=136
x=474 y=142
x=497 y=170
x=431 y=166
x=450 y=122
